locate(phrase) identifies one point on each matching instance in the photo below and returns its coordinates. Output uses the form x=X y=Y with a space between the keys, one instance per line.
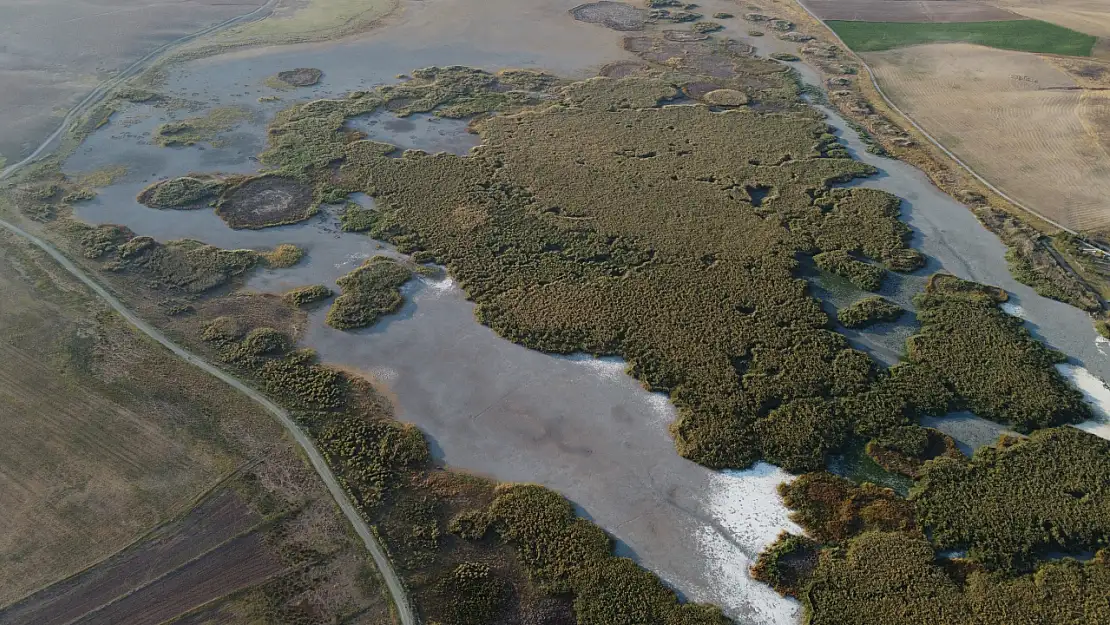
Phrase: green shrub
x=833 y=509
x=470 y=595
x=865 y=276
x=356 y=219
x=305 y=295
x=787 y=564
x=868 y=311
x=1016 y=501
x=369 y=292
x=564 y=554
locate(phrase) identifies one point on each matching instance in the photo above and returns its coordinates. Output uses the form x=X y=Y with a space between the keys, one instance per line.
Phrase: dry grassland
x=1021 y=122
x=903 y=11
x=1086 y=16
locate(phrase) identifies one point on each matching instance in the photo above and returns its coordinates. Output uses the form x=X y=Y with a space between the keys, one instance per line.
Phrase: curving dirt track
x=393 y=582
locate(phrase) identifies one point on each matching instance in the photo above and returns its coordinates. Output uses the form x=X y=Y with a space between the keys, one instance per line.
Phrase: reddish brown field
x=908 y=10
x=177 y=567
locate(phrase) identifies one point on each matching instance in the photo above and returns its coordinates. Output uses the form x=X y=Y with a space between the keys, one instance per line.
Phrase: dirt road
x=396 y=588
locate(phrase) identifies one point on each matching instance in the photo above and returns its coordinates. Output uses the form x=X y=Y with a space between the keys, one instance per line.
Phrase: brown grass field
x=1086 y=16
x=1021 y=121
x=104 y=437
x=909 y=10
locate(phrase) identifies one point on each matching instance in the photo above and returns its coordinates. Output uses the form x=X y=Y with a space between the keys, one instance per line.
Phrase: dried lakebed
x=578 y=425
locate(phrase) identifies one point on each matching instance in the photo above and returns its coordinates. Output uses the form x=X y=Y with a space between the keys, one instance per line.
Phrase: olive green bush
x=1018 y=500
x=182 y=192
x=832 y=509
x=905 y=449
x=305 y=295
x=865 y=276
x=895 y=577
x=988 y=358
x=564 y=554
x=369 y=292
x=868 y=311
x=470 y=595
x=787 y=564
x=354 y=218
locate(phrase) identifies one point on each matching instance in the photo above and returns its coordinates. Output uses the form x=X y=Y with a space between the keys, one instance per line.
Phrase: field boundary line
x=938 y=144
x=186 y=509
x=338 y=493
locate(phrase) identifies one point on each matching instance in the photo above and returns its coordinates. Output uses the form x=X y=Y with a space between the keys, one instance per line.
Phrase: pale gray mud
x=53 y=52
x=578 y=425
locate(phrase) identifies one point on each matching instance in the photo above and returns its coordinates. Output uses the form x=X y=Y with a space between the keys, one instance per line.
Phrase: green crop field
x=1021 y=35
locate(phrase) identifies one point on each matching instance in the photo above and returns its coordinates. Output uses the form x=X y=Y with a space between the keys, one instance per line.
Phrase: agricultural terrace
x=1038 y=129
x=1022 y=35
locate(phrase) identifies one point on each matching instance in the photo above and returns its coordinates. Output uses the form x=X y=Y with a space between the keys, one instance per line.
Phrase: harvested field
x=1015 y=118
x=101 y=436
x=266 y=201
x=615 y=15
x=940 y=11
x=1086 y=16
x=1023 y=35
x=217 y=520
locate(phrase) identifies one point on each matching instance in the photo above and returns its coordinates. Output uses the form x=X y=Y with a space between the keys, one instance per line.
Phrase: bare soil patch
x=623 y=69
x=266 y=201
x=614 y=15
x=1024 y=124
x=909 y=11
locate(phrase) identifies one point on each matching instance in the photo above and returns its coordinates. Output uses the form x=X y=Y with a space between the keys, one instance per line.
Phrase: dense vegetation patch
x=787 y=564
x=868 y=311
x=1022 y=35
x=1020 y=499
x=907 y=448
x=565 y=554
x=184 y=266
x=369 y=292
x=183 y=192
x=305 y=295
x=894 y=577
x=989 y=359
x=832 y=509
x=206 y=128
x=866 y=276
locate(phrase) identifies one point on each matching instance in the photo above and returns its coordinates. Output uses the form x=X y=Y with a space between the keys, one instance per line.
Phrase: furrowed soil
x=158 y=560
x=100 y=438
x=104 y=436
x=903 y=11
x=1017 y=119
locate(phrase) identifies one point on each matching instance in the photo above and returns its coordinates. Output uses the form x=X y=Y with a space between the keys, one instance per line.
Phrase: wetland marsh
x=574 y=422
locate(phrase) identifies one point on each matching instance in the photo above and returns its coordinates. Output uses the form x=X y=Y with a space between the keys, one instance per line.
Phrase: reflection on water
x=1097 y=395
x=417 y=132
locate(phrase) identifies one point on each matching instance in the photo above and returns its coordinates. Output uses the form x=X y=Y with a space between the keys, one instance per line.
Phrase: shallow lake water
x=576 y=424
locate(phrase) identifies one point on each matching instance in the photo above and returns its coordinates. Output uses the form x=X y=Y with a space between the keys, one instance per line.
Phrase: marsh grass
x=869 y=311
x=368 y=292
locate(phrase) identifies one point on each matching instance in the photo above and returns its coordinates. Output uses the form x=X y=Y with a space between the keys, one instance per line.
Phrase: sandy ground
x=908 y=10
x=1015 y=118
x=52 y=52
